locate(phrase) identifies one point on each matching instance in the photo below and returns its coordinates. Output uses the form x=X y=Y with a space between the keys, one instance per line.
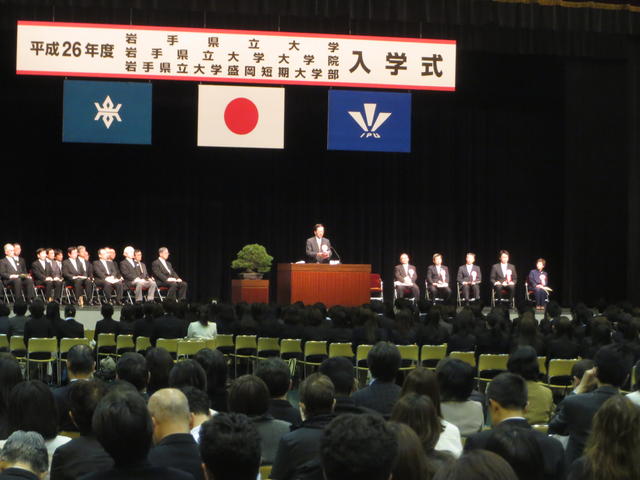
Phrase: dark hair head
x=132 y=367
x=69 y=311
x=518 y=446
x=159 y=364
x=199 y=403
x=524 y=362
x=456 y=379
x=36 y=309
x=419 y=412
x=215 y=366
x=612 y=364
x=411 y=462
x=340 y=371
x=423 y=382
x=80 y=359
x=84 y=396
x=249 y=395
x=317 y=226
x=188 y=373
x=52 y=311
x=509 y=391
x=106 y=310
x=33 y=408
x=357 y=447
x=317 y=393
x=477 y=465
x=230 y=447
x=274 y=372
x=122 y=424
x=126 y=314
x=10 y=376
x=384 y=361
x=20 y=307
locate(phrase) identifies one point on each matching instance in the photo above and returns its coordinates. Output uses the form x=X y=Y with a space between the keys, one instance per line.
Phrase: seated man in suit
x=503 y=278
x=83 y=256
x=276 y=374
x=24 y=456
x=469 y=278
x=507 y=395
x=318 y=247
x=438 y=279
x=107 y=276
x=574 y=414
x=405 y=278
x=70 y=327
x=14 y=275
x=42 y=271
x=135 y=274
x=166 y=276
x=22 y=265
x=55 y=262
x=75 y=274
x=384 y=362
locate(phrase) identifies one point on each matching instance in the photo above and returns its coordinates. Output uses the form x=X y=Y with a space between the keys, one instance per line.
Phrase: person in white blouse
x=202 y=328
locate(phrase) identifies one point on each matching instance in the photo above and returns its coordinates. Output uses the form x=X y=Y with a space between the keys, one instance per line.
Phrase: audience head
x=317 y=396
x=84 y=397
x=384 y=361
x=159 y=364
x=419 y=412
x=132 y=367
x=10 y=376
x=215 y=366
x=122 y=424
x=507 y=396
x=578 y=369
x=36 y=309
x=411 y=462
x=188 y=373
x=524 y=362
x=611 y=365
x=456 y=379
x=230 y=447
x=20 y=308
x=477 y=465
x=275 y=373
x=340 y=372
x=249 y=395
x=27 y=451
x=69 y=311
x=80 y=361
x=357 y=447
x=423 y=382
x=198 y=400
x=519 y=447
x=33 y=408
x=169 y=409
x=106 y=310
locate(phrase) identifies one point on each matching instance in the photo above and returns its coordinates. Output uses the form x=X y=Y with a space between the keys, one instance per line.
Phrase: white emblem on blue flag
x=108 y=111
x=370 y=123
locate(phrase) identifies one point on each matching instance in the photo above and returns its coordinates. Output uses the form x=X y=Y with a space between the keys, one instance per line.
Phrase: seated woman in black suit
x=367 y=329
x=433 y=332
x=463 y=339
x=562 y=343
x=340 y=330
x=403 y=331
x=494 y=339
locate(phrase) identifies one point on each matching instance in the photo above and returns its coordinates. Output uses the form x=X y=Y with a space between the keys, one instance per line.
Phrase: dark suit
x=16 y=325
x=78 y=457
x=379 y=396
x=17 y=267
x=399 y=275
x=503 y=291
x=465 y=276
x=70 y=328
x=38 y=328
x=101 y=272
x=574 y=415
x=141 y=471
x=550 y=448
x=81 y=286
x=179 y=451
x=283 y=410
x=4 y=325
x=18 y=474
x=312 y=250
x=52 y=288
x=168 y=326
x=433 y=278
x=138 y=270
x=61 y=397
x=162 y=274
x=534 y=279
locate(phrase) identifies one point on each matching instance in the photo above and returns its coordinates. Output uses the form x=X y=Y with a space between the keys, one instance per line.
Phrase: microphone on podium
x=337 y=254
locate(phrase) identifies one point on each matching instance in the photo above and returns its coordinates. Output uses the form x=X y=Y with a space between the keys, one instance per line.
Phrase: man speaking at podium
x=318 y=247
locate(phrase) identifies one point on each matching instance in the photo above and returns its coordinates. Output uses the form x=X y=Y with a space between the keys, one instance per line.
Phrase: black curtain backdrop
x=535 y=152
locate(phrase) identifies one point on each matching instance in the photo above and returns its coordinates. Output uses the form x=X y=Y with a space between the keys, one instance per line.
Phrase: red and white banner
x=230 y=116
x=236 y=56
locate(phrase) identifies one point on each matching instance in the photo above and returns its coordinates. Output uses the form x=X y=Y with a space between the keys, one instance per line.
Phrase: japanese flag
x=249 y=117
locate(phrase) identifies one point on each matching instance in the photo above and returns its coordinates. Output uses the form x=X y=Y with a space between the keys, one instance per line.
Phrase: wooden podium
x=250 y=291
x=309 y=283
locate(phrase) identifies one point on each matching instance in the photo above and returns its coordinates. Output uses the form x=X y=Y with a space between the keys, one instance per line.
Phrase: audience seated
x=494 y=339
x=462 y=339
x=18 y=321
x=403 y=331
x=366 y=329
x=384 y=361
x=5 y=311
x=83 y=454
x=249 y=395
x=198 y=409
x=169 y=325
x=577 y=372
x=132 y=368
x=159 y=363
x=10 y=376
x=601 y=332
x=215 y=367
x=144 y=327
x=107 y=324
x=127 y=320
x=528 y=334
x=477 y=465
x=80 y=366
x=612 y=446
x=275 y=374
x=520 y=448
x=37 y=326
x=24 y=457
x=69 y=327
x=563 y=344
x=507 y=395
x=230 y=447
x=174 y=446
x=411 y=462
x=434 y=331
x=188 y=373
x=298 y=450
x=524 y=362
x=202 y=328
x=358 y=447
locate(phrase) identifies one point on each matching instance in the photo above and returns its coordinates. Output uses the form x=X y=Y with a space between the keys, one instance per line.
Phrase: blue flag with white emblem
x=371 y=121
x=107 y=112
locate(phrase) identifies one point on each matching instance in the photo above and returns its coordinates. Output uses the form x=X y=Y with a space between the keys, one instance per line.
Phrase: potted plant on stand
x=254 y=261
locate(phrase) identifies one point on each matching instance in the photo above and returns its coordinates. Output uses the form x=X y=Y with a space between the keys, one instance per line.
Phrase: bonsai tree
x=254 y=260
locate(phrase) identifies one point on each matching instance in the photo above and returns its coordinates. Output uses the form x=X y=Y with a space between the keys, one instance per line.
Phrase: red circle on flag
x=241 y=115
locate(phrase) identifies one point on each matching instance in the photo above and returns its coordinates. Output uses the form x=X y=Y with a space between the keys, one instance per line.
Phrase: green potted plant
x=254 y=260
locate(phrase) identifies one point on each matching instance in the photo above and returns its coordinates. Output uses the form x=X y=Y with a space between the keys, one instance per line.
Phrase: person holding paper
x=318 y=247
x=539 y=284
x=503 y=278
x=438 y=279
x=405 y=277
x=107 y=276
x=469 y=278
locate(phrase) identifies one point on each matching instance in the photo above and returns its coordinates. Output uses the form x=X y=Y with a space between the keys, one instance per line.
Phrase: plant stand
x=250 y=291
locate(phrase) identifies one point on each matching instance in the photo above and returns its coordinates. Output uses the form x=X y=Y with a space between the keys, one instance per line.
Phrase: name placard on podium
x=343 y=284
